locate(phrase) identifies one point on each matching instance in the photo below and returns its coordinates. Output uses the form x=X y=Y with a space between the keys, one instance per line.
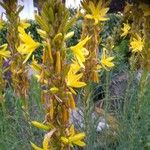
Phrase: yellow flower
x=73 y=78
x=28 y=44
x=125 y=29
x=74 y=139
x=106 y=62
x=98 y=12
x=3 y=52
x=80 y=52
x=137 y=44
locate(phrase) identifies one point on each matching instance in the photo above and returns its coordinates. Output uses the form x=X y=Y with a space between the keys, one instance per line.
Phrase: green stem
x=143 y=83
x=107 y=93
x=130 y=80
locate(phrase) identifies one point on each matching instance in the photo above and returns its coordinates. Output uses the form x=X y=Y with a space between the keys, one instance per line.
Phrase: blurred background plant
x=15 y=131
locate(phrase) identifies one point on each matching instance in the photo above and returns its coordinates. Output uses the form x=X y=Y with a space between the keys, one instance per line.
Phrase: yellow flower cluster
x=98 y=12
x=136 y=44
x=72 y=138
x=4 y=53
x=126 y=28
x=106 y=62
x=80 y=52
x=28 y=44
x=73 y=76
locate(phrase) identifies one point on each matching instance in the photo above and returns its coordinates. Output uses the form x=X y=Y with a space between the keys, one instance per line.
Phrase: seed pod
x=72 y=104
x=51 y=111
x=65 y=114
x=58 y=62
x=50 y=53
x=95 y=77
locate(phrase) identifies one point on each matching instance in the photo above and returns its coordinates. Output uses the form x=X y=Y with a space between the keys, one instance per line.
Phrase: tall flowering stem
x=58 y=78
x=95 y=14
x=138 y=14
x=18 y=69
x=12 y=37
x=91 y=27
x=139 y=32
